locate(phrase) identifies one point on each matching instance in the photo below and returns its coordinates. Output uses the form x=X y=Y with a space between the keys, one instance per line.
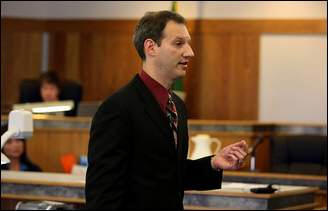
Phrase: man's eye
x=178 y=43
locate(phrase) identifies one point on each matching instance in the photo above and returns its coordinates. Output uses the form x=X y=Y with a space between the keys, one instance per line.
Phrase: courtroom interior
x=259 y=74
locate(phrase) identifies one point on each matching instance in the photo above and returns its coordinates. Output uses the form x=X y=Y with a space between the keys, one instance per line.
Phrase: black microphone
x=268 y=189
x=252 y=151
x=258 y=141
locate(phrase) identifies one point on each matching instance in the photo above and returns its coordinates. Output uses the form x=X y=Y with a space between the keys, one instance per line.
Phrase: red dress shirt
x=159 y=92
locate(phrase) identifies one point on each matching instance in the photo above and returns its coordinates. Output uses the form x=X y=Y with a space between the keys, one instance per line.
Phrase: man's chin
x=181 y=72
x=180 y=76
x=178 y=73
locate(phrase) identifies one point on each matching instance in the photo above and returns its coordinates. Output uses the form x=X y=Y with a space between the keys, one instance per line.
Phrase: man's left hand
x=230 y=157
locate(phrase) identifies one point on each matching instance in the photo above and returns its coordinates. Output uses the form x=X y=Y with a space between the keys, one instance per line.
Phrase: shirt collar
x=160 y=93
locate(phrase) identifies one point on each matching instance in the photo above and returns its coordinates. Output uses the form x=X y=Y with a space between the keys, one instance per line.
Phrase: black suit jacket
x=133 y=162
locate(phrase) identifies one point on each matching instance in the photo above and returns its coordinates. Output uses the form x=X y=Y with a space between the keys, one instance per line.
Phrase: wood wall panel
x=192 y=78
x=222 y=82
x=57 y=53
x=228 y=77
x=103 y=62
x=4 y=51
x=20 y=58
x=92 y=67
x=72 y=59
x=47 y=146
x=112 y=62
x=281 y=26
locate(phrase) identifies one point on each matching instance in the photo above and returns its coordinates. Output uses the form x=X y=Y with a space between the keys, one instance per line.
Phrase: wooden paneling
x=283 y=26
x=20 y=58
x=57 y=53
x=22 y=25
x=227 y=78
x=222 y=82
x=95 y=26
x=321 y=198
x=72 y=59
x=112 y=62
x=47 y=146
x=102 y=62
x=59 y=135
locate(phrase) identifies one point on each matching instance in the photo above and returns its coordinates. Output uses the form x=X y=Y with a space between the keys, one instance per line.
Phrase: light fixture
x=20 y=126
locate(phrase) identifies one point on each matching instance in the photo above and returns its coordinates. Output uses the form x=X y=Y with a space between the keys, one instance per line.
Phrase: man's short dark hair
x=151 y=26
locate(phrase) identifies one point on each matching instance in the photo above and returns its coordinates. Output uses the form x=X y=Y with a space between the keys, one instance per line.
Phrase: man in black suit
x=139 y=135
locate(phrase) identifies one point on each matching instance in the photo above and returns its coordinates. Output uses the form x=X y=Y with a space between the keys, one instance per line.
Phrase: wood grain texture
x=321 y=198
x=273 y=26
x=47 y=146
x=20 y=59
x=221 y=83
x=42 y=198
x=228 y=80
x=302 y=191
x=107 y=62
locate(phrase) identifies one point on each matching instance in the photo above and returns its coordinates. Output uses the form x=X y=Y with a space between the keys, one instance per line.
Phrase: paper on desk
x=241 y=185
x=226 y=186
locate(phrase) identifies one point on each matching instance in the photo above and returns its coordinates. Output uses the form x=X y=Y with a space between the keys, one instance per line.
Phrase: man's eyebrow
x=182 y=38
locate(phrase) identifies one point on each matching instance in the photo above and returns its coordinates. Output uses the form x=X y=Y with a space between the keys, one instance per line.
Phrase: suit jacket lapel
x=152 y=108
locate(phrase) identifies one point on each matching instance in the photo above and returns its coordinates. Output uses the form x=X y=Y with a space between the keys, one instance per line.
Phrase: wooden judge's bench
x=55 y=136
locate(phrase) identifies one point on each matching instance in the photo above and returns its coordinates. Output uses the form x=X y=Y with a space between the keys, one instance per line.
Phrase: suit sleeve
x=199 y=175
x=107 y=174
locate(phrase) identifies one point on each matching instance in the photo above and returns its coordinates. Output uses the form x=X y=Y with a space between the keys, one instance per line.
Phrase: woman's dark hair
x=50 y=77
x=23 y=159
x=151 y=26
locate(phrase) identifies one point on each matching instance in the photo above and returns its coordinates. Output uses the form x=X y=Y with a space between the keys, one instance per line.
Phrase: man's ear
x=150 y=47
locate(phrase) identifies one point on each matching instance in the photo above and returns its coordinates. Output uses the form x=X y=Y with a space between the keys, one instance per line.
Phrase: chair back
x=299 y=154
x=29 y=91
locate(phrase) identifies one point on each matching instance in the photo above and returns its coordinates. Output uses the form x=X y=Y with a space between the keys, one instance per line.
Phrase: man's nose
x=189 y=52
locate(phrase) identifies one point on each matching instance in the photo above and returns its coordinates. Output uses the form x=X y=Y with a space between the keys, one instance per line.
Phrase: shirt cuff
x=213 y=166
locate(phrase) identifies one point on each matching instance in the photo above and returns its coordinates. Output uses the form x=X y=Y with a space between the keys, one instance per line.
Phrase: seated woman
x=15 y=150
x=49 y=87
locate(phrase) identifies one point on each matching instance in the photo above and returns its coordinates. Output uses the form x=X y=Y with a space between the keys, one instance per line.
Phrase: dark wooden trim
x=296 y=26
x=284 y=26
x=23 y=25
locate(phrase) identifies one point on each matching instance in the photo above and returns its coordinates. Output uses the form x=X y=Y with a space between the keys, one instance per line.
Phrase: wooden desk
x=276 y=178
x=282 y=179
x=70 y=189
x=34 y=186
x=238 y=196
x=42 y=186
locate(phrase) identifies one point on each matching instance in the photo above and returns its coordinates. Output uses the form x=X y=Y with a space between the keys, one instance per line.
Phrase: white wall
x=293 y=78
x=189 y=9
x=264 y=9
